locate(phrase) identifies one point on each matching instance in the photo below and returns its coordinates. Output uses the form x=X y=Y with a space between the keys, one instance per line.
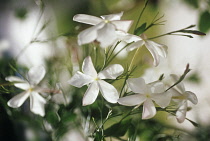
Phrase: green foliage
x=118 y=129
x=140 y=29
x=204 y=21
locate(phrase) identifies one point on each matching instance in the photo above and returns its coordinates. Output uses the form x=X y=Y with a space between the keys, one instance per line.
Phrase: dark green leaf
x=204 y=22
x=119 y=129
x=52 y=117
x=140 y=29
x=193 y=3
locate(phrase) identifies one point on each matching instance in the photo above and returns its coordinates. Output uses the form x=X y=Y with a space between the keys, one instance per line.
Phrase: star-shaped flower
x=37 y=102
x=96 y=82
x=146 y=94
x=103 y=29
x=154 y=48
x=181 y=96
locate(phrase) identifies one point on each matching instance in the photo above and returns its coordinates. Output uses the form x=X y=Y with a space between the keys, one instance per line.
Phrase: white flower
x=181 y=96
x=104 y=29
x=35 y=75
x=154 y=48
x=90 y=76
x=146 y=94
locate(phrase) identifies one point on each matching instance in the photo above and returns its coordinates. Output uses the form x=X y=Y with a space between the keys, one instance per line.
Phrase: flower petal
x=149 y=110
x=88 y=68
x=157 y=87
x=128 y=38
x=18 y=82
x=137 y=85
x=18 y=100
x=162 y=99
x=160 y=48
x=108 y=91
x=153 y=52
x=90 y=34
x=123 y=25
x=112 y=17
x=132 y=100
x=192 y=97
x=135 y=45
x=107 y=35
x=111 y=72
x=91 y=94
x=36 y=74
x=87 y=19
x=79 y=79
x=37 y=103
x=181 y=112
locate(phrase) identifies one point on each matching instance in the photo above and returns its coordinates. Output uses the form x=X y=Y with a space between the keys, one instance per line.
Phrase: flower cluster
x=108 y=32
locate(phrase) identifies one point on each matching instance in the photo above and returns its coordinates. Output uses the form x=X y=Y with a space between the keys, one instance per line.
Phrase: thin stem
x=145 y=5
x=132 y=61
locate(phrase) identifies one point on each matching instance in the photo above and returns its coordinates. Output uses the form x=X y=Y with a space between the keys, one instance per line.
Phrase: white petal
x=112 y=17
x=162 y=99
x=128 y=38
x=132 y=100
x=153 y=52
x=79 y=79
x=91 y=94
x=175 y=95
x=137 y=85
x=18 y=82
x=157 y=87
x=107 y=35
x=111 y=72
x=180 y=86
x=135 y=45
x=149 y=110
x=160 y=48
x=181 y=112
x=108 y=91
x=90 y=34
x=36 y=74
x=18 y=100
x=122 y=25
x=88 y=68
x=37 y=103
x=192 y=97
x=87 y=19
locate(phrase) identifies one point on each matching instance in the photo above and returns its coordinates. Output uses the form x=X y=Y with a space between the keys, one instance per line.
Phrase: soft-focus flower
x=181 y=96
x=156 y=50
x=146 y=94
x=37 y=102
x=103 y=29
x=96 y=82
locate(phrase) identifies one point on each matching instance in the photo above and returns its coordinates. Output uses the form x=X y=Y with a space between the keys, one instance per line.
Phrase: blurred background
x=33 y=32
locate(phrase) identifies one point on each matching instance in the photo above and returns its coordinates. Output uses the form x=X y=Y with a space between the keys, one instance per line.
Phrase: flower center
x=30 y=89
x=96 y=79
x=148 y=95
x=106 y=21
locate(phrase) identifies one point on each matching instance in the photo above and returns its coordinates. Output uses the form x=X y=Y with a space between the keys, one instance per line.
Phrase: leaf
x=119 y=129
x=140 y=29
x=52 y=117
x=204 y=22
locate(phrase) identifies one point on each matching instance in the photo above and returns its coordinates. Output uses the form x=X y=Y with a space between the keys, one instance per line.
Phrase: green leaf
x=119 y=129
x=52 y=117
x=204 y=22
x=140 y=29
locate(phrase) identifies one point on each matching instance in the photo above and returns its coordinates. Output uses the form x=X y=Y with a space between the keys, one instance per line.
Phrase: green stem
x=145 y=5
